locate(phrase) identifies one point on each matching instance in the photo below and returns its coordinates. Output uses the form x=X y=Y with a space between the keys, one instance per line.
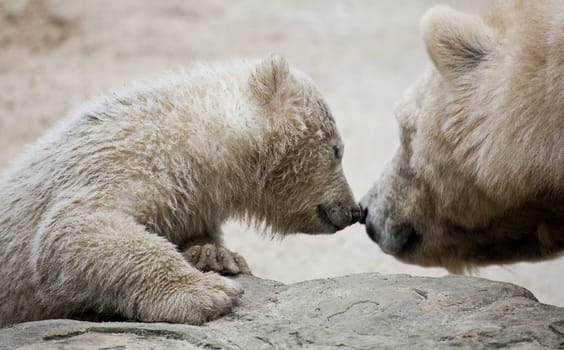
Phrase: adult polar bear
x=479 y=175
x=92 y=215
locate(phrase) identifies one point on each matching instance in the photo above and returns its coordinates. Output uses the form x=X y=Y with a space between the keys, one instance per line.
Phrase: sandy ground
x=362 y=54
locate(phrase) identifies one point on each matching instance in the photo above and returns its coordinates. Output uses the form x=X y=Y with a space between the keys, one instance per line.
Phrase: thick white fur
x=92 y=215
x=479 y=176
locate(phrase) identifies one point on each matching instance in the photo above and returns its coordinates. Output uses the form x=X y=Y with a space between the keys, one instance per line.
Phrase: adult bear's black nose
x=363 y=215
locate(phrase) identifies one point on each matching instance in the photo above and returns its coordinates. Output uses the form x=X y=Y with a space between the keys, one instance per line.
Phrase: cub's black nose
x=363 y=215
x=356 y=214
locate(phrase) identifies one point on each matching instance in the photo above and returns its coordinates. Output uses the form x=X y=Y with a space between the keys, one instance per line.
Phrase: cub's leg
x=92 y=259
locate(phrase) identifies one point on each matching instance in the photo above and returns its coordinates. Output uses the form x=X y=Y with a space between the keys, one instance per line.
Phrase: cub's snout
x=338 y=216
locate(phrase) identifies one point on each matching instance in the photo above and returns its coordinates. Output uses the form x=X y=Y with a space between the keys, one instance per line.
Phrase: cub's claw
x=210 y=257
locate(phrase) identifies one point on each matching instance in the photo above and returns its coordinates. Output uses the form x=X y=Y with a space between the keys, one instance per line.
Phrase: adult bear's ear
x=269 y=79
x=456 y=42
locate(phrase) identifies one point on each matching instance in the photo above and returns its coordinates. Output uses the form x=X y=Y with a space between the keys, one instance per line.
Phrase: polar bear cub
x=115 y=209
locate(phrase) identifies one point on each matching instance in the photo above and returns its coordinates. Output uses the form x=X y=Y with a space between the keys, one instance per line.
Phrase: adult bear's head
x=479 y=174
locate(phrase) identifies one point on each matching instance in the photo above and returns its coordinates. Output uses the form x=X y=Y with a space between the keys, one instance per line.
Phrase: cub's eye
x=337 y=152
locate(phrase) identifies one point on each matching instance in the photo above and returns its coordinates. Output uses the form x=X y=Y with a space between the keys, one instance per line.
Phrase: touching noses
x=356 y=214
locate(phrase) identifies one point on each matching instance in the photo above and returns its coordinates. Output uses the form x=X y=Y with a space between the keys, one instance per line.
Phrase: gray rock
x=365 y=311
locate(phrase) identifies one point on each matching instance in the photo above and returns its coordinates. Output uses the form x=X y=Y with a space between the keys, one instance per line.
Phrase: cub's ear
x=269 y=79
x=456 y=42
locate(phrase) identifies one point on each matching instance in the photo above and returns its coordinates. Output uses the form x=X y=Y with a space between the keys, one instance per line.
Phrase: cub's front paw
x=210 y=257
x=194 y=299
x=214 y=296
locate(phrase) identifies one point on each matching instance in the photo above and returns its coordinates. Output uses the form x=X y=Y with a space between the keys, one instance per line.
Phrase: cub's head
x=467 y=187
x=305 y=189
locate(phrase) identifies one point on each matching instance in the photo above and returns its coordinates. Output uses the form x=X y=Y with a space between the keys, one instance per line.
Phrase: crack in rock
x=351 y=306
x=143 y=333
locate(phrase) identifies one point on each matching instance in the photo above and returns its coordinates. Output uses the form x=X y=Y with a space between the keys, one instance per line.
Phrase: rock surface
x=363 y=311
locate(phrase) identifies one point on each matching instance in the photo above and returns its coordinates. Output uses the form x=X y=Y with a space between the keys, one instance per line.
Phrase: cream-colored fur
x=93 y=215
x=479 y=175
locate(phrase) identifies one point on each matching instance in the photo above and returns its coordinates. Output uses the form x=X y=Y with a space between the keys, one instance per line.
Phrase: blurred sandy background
x=362 y=54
